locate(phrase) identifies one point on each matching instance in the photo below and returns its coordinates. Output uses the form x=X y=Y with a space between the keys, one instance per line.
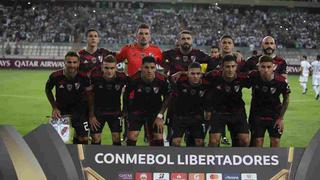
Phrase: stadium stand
x=60 y=23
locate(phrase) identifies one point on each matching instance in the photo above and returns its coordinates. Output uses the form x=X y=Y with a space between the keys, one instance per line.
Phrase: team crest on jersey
x=193 y=92
x=219 y=87
x=77 y=85
x=275 y=67
x=69 y=87
x=184 y=90
x=147 y=89
x=193 y=58
x=264 y=88
x=201 y=93
x=117 y=87
x=94 y=60
x=236 y=88
x=61 y=86
x=185 y=58
x=100 y=58
x=273 y=90
x=227 y=88
x=156 y=90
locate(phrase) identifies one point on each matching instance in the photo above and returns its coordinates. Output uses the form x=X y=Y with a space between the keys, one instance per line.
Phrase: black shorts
x=236 y=122
x=135 y=122
x=79 y=120
x=114 y=123
x=261 y=125
x=193 y=124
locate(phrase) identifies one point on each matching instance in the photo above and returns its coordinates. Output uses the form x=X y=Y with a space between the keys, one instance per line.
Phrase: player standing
x=91 y=57
x=134 y=53
x=268 y=111
x=305 y=68
x=227 y=104
x=188 y=100
x=177 y=60
x=316 y=76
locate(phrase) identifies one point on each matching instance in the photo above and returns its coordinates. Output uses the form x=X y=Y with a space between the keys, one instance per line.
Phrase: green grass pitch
x=23 y=104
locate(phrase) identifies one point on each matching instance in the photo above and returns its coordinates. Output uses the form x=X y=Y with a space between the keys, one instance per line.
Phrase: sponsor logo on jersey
x=236 y=88
x=273 y=90
x=77 y=86
x=156 y=90
x=69 y=87
x=117 y=87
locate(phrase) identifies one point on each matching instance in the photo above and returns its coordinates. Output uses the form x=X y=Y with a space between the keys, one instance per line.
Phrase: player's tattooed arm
x=279 y=122
x=125 y=101
x=94 y=123
x=55 y=111
x=208 y=106
x=159 y=121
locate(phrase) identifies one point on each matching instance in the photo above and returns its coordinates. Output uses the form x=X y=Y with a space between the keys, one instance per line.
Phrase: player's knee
x=96 y=138
x=176 y=141
x=116 y=137
x=213 y=143
x=199 y=142
x=132 y=135
x=259 y=142
x=275 y=142
x=244 y=140
x=83 y=140
x=157 y=136
x=214 y=140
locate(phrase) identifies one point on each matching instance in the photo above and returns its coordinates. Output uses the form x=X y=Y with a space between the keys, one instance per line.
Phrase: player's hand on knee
x=280 y=125
x=94 y=123
x=158 y=124
x=56 y=113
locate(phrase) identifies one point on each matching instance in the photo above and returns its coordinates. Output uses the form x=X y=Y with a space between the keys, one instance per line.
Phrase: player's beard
x=143 y=43
x=266 y=51
x=186 y=47
x=70 y=73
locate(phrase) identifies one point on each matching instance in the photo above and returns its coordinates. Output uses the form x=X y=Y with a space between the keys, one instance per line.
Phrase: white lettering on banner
x=187 y=159
x=5 y=63
x=26 y=63
x=52 y=64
